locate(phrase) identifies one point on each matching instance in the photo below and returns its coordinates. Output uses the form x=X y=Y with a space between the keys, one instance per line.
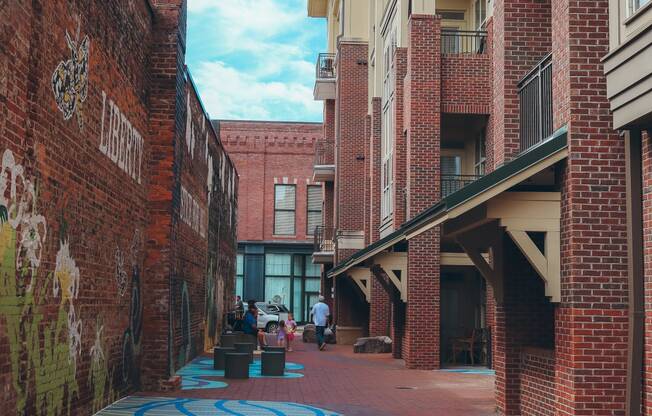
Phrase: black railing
x=455 y=41
x=326 y=66
x=535 y=100
x=324 y=239
x=453 y=183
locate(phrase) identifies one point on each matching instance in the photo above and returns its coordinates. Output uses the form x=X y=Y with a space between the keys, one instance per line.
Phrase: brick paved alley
x=355 y=384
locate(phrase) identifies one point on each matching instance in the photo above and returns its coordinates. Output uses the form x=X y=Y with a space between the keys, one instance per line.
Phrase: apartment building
x=280 y=209
x=628 y=68
x=477 y=187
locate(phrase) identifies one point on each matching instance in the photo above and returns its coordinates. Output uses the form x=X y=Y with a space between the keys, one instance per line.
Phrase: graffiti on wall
x=70 y=79
x=192 y=213
x=132 y=334
x=42 y=353
x=100 y=379
x=119 y=140
x=210 y=309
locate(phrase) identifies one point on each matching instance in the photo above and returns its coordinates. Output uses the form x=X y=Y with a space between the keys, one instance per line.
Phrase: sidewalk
x=337 y=382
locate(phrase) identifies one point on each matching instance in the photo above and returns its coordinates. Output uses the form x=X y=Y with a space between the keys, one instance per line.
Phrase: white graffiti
x=66 y=284
x=97 y=353
x=190 y=129
x=119 y=140
x=192 y=213
x=210 y=179
x=19 y=210
x=70 y=79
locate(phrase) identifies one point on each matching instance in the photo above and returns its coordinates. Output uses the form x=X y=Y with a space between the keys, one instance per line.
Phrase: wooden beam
x=391 y=262
x=465 y=222
x=362 y=277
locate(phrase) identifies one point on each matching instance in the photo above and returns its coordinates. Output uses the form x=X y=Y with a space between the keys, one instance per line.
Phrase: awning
x=505 y=177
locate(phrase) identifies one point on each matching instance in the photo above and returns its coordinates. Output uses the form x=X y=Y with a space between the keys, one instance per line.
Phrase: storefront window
x=239 y=276
x=277 y=264
x=312 y=270
x=277 y=290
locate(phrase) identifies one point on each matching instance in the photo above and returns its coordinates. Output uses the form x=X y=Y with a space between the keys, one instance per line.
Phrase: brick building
x=493 y=200
x=280 y=206
x=117 y=205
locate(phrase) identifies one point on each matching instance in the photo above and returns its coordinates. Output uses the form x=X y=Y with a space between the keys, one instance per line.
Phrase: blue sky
x=255 y=59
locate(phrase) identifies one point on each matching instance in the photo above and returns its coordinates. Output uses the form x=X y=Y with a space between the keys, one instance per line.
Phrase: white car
x=269 y=314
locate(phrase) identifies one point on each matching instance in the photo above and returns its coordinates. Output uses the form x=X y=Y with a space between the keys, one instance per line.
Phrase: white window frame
x=388 y=129
x=634 y=6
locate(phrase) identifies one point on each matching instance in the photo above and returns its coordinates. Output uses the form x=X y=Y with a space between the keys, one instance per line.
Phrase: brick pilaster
x=591 y=332
x=423 y=120
x=380 y=310
x=400 y=145
x=374 y=170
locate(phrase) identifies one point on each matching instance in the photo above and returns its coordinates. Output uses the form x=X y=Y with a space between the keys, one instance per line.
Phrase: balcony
x=535 y=101
x=454 y=42
x=325 y=77
x=324 y=246
x=324 y=166
x=453 y=183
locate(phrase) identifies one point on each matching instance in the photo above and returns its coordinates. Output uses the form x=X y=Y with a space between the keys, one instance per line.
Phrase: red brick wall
x=465 y=83
x=522 y=37
x=423 y=122
x=647 y=253
x=265 y=154
x=374 y=163
x=538 y=394
x=593 y=218
x=90 y=291
x=351 y=110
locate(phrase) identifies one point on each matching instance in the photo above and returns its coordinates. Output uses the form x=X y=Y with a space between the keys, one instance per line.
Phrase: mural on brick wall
x=131 y=339
x=101 y=377
x=185 y=352
x=70 y=79
x=42 y=353
x=192 y=213
x=120 y=141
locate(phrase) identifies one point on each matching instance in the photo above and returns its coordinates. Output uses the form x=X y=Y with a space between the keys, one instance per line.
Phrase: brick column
x=167 y=99
x=423 y=120
x=591 y=332
x=380 y=312
x=522 y=38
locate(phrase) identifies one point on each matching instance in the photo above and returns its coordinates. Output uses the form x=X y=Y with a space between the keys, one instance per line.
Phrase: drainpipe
x=635 y=283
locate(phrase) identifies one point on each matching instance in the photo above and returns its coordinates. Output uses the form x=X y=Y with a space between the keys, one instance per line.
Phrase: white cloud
x=232 y=94
x=252 y=58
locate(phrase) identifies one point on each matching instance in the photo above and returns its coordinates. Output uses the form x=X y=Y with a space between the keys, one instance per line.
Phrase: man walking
x=320 y=313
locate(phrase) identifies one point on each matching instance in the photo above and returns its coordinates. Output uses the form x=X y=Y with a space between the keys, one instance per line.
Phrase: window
x=480 y=7
x=387 y=130
x=480 y=154
x=284 y=207
x=312 y=269
x=634 y=5
x=314 y=208
x=278 y=268
x=239 y=276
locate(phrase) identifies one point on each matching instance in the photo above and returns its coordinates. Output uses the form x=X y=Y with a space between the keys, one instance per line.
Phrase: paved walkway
x=335 y=381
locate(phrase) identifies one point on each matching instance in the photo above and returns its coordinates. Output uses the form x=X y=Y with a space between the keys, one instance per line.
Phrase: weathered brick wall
x=538 y=394
x=646 y=148
x=400 y=145
x=465 y=83
x=89 y=100
x=593 y=234
x=269 y=153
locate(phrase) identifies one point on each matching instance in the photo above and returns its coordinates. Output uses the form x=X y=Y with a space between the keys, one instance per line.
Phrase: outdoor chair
x=464 y=345
x=273 y=363
x=219 y=354
x=236 y=365
x=245 y=347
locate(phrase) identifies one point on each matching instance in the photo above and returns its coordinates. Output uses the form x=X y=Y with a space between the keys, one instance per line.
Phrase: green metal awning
x=519 y=169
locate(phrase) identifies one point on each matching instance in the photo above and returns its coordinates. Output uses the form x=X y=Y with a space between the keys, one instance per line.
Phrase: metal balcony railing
x=453 y=183
x=455 y=41
x=324 y=239
x=326 y=66
x=535 y=101
x=324 y=153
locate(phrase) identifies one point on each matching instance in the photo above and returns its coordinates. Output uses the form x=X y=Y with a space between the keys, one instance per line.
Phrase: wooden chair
x=464 y=345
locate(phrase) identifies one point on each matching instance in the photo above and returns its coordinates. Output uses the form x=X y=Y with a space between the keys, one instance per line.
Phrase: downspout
x=635 y=276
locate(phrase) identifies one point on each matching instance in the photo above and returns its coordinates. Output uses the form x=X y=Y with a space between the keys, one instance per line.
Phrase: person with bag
x=320 y=313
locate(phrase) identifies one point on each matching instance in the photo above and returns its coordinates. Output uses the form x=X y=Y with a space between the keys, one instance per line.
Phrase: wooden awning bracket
x=395 y=266
x=362 y=277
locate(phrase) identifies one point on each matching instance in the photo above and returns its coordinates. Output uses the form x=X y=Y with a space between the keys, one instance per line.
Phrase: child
x=291 y=329
x=281 y=336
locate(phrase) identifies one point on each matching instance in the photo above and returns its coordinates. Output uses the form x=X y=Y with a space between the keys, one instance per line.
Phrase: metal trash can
x=273 y=363
x=219 y=354
x=236 y=365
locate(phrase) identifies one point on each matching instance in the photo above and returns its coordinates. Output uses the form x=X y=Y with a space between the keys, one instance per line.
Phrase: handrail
x=455 y=41
x=325 y=66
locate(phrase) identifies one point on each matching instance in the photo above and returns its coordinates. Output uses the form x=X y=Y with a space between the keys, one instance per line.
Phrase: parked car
x=269 y=315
